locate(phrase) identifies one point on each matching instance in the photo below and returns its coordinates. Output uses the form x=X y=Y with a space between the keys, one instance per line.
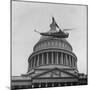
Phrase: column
x=42 y=59
x=70 y=60
x=57 y=58
x=74 y=61
x=38 y=61
x=66 y=59
x=34 y=60
x=52 y=57
x=47 y=58
x=75 y=64
x=61 y=58
x=30 y=64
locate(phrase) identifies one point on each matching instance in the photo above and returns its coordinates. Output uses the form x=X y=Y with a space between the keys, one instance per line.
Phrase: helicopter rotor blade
x=68 y=29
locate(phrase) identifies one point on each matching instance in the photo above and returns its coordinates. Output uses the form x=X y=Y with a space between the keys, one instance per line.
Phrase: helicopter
x=58 y=34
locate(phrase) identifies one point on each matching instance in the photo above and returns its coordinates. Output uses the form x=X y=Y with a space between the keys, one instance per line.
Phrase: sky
x=27 y=16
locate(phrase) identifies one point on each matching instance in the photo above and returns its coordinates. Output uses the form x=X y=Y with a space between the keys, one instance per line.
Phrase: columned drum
x=51 y=51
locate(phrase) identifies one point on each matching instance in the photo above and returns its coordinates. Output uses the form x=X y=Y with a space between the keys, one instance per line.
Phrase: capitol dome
x=51 y=52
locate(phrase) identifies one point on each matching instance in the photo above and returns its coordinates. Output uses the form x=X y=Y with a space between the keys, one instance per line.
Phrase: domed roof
x=48 y=41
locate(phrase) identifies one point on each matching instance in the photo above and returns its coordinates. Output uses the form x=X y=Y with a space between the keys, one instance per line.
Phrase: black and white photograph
x=48 y=44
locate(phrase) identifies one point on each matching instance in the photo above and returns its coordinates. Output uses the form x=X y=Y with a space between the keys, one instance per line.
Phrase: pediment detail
x=54 y=73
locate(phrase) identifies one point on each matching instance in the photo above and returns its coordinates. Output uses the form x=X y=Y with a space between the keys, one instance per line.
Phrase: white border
x=5 y=43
